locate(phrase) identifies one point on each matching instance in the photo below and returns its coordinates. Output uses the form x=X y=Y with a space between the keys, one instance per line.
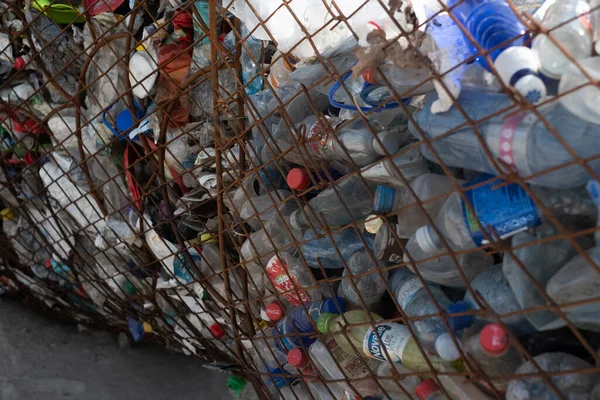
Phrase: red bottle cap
x=274 y=311
x=297 y=358
x=298 y=179
x=369 y=76
x=29 y=158
x=425 y=388
x=19 y=64
x=493 y=339
x=217 y=331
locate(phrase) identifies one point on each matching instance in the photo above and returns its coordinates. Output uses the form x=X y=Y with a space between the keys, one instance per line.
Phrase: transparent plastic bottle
x=393 y=386
x=258 y=210
x=302 y=323
x=426 y=187
x=250 y=59
x=399 y=344
x=574 y=36
x=521 y=140
x=324 y=251
x=575 y=94
x=371 y=286
x=352 y=143
x=492 y=285
x=255 y=185
x=352 y=191
x=292 y=279
x=411 y=164
x=571 y=386
x=416 y=302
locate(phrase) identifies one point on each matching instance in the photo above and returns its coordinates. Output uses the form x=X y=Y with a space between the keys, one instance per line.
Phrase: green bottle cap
x=129 y=288
x=237 y=384
x=324 y=321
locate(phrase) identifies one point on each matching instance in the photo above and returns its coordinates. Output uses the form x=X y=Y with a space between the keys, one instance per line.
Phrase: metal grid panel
x=181 y=226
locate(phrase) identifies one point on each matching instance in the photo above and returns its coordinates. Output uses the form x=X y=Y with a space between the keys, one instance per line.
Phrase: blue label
x=374 y=344
x=508 y=209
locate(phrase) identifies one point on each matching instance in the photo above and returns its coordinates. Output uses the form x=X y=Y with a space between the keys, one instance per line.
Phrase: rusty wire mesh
x=184 y=223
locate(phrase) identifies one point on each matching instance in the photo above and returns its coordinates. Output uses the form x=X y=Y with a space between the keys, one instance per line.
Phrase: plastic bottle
x=298 y=322
x=571 y=386
x=399 y=344
x=411 y=164
x=175 y=59
x=258 y=210
x=255 y=185
x=574 y=36
x=492 y=285
x=351 y=143
x=416 y=302
x=492 y=351
x=582 y=101
x=494 y=26
x=520 y=140
x=301 y=179
x=333 y=363
x=352 y=191
x=429 y=390
x=280 y=71
x=292 y=279
x=250 y=59
x=394 y=386
x=324 y=251
x=411 y=218
x=370 y=284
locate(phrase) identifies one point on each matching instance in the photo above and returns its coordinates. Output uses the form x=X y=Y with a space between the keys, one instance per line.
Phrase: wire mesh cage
x=340 y=199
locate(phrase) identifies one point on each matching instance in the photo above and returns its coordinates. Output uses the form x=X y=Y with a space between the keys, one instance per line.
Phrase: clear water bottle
x=410 y=164
x=357 y=197
x=576 y=93
x=416 y=302
x=326 y=252
x=369 y=285
x=250 y=59
x=297 y=327
x=495 y=289
x=520 y=140
x=399 y=199
x=492 y=351
x=569 y=24
x=258 y=210
x=396 y=382
x=571 y=386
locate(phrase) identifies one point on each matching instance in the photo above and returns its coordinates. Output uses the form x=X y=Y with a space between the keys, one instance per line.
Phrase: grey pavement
x=43 y=359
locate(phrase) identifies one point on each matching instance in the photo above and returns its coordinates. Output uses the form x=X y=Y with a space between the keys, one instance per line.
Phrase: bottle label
x=393 y=338
x=353 y=366
x=318 y=137
x=507 y=209
x=286 y=284
x=511 y=146
x=407 y=291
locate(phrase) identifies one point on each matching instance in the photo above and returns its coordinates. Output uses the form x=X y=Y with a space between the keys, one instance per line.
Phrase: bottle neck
x=428 y=240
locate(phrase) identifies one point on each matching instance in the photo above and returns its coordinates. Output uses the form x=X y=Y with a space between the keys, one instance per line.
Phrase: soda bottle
x=296 y=328
x=356 y=196
x=492 y=285
x=416 y=302
x=326 y=252
x=370 y=287
x=399 y=344
x=572 y=385
x=492 y=351
x=568 y=22
x=428 y=189
x=521 y=140
x=292 y=279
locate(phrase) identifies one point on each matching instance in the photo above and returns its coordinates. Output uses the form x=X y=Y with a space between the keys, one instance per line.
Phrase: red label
x=284 y=283
x=507 y=138
x=317 y=137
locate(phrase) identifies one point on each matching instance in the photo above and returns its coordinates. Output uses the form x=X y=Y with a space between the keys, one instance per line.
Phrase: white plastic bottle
x=574 y=36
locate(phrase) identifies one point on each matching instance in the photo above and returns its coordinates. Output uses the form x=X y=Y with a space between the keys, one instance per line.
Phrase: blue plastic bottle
x=298 y=321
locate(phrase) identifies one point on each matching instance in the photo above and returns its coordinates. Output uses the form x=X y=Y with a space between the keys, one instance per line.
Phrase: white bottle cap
x=445 y=347
x=425 y=237
x=517 y=67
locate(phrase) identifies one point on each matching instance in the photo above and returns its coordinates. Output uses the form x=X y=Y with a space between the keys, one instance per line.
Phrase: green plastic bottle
x=400 y=345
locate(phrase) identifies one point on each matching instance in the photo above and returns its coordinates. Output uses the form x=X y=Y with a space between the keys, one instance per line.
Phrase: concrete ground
x=42 y=359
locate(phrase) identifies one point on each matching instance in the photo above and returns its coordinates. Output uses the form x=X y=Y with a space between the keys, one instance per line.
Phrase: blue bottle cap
x=461 y=321
x=125 y=121
x=384 y=199
x=330 y=307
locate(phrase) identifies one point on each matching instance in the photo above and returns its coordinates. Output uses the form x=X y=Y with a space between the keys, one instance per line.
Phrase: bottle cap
x=330 y=307
x=460 y=321
x=445 y=347
x=426 y=239
x=29 y=158
x=237 y=384
x=6 y=214
x=19 y=63
x=129 y=288
x=425 y=388
x=298 y=179
x=373 y=223
x=295 y=220
x=217 y=331
x=323 y=322
x=384 y=199
x=517 y=66
x=297 y=358
x=274 y=311
x=207 y=238
x=494 y=340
